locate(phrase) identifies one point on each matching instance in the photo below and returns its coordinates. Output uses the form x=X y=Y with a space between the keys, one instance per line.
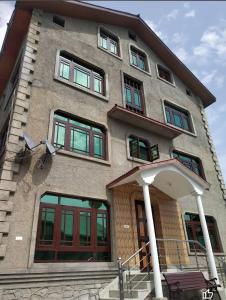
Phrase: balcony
x=127 y=116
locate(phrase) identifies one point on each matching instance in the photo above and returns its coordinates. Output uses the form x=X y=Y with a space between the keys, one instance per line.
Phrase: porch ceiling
x=169 y=176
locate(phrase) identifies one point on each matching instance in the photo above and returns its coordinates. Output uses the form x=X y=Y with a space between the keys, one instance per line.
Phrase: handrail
x=134 y=254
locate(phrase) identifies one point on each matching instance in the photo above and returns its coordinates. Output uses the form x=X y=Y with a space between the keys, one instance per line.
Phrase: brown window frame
x=195 y=162
x=76 y=64
x=132 y=85
x=140 y=56
x=211 y=226
x=185 y=118
x=56 y=244
x=91 y=133
x=111 y=39
x=165 y=74
x=138 y=154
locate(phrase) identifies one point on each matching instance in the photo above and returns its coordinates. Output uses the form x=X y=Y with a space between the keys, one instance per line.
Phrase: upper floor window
x=79 y=136
x=59 y=21
x=191 y=162
x=80 y=73
x=133 y=95
x=109 y=42
x=165 y=74
x=132 y=35
x=178 y=117
x=138 y=59
x=194 y=232
x=139 y=148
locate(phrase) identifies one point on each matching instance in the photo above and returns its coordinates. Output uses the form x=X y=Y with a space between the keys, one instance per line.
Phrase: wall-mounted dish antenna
x=49 y=148
x=29 y=144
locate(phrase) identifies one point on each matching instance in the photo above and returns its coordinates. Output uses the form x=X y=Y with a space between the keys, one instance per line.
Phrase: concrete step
x=139 y=277
x=127 y=294
x=142 y=285
x=12 y=279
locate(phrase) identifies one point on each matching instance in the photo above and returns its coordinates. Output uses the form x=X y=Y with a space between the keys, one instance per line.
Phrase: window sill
x=143 y=71
x=168 y=82
x=138 y=160
x=80 y=88
x=112 y=54
x=80 y=156
x=182 y=130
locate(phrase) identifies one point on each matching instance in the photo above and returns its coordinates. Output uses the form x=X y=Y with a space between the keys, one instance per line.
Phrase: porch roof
x=169 y=176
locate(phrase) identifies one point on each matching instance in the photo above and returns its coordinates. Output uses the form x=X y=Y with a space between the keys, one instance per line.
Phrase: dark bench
x=186 y=281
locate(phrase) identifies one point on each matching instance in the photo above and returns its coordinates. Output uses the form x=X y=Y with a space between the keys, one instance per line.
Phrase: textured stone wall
x=18 y=120
x=78 y=290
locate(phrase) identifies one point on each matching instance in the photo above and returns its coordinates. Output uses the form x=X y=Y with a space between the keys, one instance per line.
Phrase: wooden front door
x=142 y=235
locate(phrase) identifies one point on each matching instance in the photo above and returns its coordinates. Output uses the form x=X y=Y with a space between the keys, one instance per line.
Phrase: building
x=127 y=121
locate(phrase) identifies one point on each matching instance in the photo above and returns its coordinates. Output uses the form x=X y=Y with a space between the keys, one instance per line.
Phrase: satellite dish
x=29 y=143
x=49 y=148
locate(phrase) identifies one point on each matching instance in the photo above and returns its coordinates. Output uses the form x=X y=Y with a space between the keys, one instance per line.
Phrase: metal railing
x=183 y=255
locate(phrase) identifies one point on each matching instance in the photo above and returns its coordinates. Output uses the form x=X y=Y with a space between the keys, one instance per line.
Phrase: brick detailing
x=214 y=154
x=18 y=119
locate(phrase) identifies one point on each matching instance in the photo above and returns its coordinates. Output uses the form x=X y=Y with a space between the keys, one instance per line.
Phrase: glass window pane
x=101 y=227
x=47 y=225
x=84 y=228
x=128 y=95
x=79 y=141
x=168 y=116
x=134 y=59
x=64 y=70
x=52 y=199
x=177 y=120
x=113 y=47
x=185 y=123
x=141 y=63
x=82 y=78
x=98 y=146
x=79 y=124
x=59 y=134
x=60 y=117
x=97 y=85
x=66 y=227
x=137 y=98
x=103 y=41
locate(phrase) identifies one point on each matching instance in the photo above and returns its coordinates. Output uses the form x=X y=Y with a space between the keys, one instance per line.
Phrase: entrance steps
x=136 y=286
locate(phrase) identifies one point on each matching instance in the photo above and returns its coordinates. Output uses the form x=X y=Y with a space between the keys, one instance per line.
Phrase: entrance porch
x=158 y=185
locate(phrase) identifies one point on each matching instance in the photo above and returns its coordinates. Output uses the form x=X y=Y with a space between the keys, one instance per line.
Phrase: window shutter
x=154 y=152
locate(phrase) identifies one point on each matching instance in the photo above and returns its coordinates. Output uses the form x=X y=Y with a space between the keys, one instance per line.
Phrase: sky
x=196 y=32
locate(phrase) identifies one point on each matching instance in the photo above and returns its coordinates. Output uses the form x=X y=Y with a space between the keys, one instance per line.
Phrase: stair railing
x=172 y=253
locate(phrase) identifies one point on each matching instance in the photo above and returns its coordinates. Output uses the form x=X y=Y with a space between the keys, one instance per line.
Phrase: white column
x=209 y=249
x=153 y=245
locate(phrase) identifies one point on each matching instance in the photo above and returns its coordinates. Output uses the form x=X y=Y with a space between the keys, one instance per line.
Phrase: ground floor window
x=194 y=231
x=72 y=229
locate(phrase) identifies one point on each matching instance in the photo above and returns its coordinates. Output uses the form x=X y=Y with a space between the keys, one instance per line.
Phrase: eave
x=124 y=115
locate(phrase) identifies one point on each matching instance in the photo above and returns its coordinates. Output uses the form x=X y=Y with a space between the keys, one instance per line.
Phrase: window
x=178 y=117
x=188 y=92
x=109 y=42
x=133 y=95
x=78 y=136
x=59 y=21
x=165 y=74
x=194 y=231
x=72 y=229
x=80 y=74
x=138 y=59
x=139 y=148
x=191 y=162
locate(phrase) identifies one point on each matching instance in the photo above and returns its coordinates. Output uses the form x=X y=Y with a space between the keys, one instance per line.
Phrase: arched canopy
x=169 y=176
